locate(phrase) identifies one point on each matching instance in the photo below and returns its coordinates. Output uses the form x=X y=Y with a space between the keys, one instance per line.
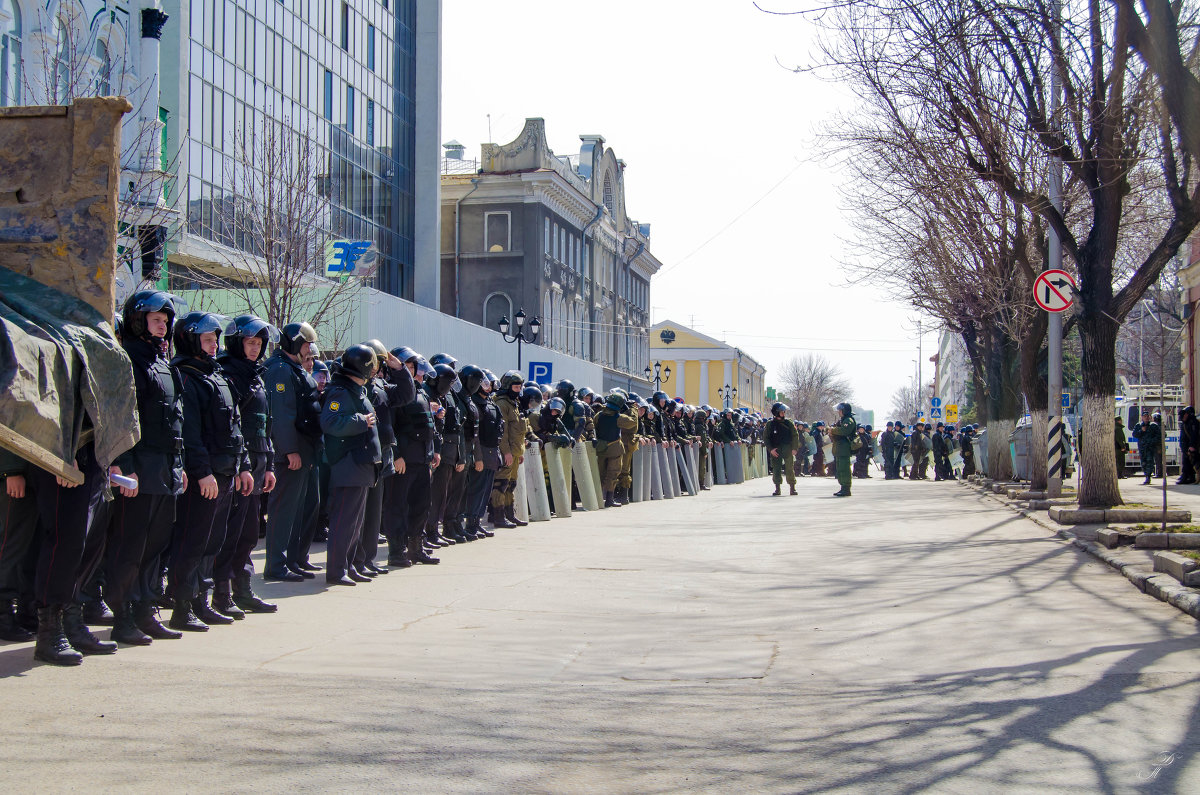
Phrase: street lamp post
x=519 y=337
x=729 y=394
x=655 y=375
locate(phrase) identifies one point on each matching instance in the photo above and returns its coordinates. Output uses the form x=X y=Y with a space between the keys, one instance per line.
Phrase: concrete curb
x=1163 y=587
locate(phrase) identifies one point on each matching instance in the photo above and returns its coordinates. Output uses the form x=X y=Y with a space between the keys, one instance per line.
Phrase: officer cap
x=472 y=378
x=949 y=428
x=443 y=358
x=189 y=328
x=510 y=379
x=133 y=316
x=244 y=327
x=556 y=404
x=359 y=361
x=293 y=336
x=565 y=390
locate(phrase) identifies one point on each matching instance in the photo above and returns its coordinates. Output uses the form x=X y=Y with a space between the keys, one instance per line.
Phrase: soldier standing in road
x=610 y=450
x=919 y=446
x=512 y=450
x=781 y=438
x=818 y=458
x=1121 y=445
x=937 y=441
x=862 y=456
x=1148 y=433
x=887 y=445
x=1189 y=442
x=843 y=434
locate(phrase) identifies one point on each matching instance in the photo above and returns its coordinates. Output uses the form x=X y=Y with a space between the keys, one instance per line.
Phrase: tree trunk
x=1003 y=404
x=1034 y=387
x=1098 y=486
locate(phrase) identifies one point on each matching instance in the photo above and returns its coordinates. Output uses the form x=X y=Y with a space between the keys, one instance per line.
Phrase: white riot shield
x=521 y=494
x=746 y=471
x=685 y=473
x=581 y=469
x=694 y=453
x=535 y=484
x=656 y=488
x=558 y=464
x=638 y=490
x=672 y=463
x=594 y=469
x=733 y=463
x=664 y=473
x=708 y=470
x=717 y=453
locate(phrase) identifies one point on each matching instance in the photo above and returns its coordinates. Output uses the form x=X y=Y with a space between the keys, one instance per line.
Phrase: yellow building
x=703 y=369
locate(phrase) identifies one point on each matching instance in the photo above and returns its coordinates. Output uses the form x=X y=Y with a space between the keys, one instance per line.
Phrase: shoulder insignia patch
x=334 y=406
x=279 y=387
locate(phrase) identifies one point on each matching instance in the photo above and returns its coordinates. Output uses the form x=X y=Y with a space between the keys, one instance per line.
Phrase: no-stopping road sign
x=1054 y=290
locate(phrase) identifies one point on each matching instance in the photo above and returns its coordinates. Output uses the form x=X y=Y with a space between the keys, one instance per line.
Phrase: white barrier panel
x=558 y=462
x=656 y=484
x=733 y=463
x=521 y=493
x=717 y=453
x=535 y=483
x=594 y=469
x=637 y=489
x=582 y=472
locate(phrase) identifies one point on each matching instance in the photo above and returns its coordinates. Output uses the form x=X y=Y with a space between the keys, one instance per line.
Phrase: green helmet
x=616 y=402
x=509 y=379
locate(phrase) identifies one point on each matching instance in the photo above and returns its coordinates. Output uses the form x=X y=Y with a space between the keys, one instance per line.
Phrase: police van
x=1132 y=399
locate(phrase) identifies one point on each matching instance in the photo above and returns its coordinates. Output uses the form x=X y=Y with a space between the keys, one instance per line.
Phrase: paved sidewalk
x=918 y=636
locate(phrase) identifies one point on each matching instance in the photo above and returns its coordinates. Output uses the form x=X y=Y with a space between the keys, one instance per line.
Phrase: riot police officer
x=216 y=464
x=438 y=388
x=417 y=453
x=781 y=438
x=610 y=450
x=246 y=340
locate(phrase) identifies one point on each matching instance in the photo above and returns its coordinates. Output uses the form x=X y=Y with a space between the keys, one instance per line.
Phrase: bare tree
x=812 y=386
x=904 y=402
x=1121 y=131
x=270 y=238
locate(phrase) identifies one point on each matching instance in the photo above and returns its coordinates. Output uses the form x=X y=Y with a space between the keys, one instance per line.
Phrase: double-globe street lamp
x=729 y=394
x=535 y=325
x=655 y=375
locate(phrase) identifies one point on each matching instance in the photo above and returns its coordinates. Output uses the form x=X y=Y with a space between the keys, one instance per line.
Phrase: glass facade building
x=339 y=73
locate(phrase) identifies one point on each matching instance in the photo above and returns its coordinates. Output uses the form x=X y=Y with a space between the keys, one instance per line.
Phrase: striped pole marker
x=1055 y=449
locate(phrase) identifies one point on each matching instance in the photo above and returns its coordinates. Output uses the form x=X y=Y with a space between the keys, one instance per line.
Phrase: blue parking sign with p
x=541 y=372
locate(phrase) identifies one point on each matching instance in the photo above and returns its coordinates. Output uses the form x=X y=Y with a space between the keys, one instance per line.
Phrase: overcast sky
x=719 y=143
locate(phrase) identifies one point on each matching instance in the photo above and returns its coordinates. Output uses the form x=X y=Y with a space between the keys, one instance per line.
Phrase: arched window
x=495 y=307
x=580 y=330
x=10 y=53
x=547 y=321
x=103 y=71
x=571 y=323
x=560 y=314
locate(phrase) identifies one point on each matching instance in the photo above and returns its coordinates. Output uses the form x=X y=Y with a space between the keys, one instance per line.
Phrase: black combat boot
x=222 y=602
x=205 y=612
x=183 y=618
x=26 y=615
x=245 y=598
x=500 y=518
x=473 y=527
x=793 y=488
x=125 y=629
x=78 y=634
x=777 y=492
x=97 y=614
x=10 y=629
x=52 y=644
x=510 y=513
x=483 y=532
x=608 y=499
x=145 y=615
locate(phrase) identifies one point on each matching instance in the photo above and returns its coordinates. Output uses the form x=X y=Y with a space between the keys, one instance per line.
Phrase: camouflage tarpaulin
x=60 y=361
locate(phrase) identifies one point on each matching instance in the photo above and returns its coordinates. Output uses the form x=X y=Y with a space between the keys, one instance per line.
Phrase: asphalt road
x=918 y=636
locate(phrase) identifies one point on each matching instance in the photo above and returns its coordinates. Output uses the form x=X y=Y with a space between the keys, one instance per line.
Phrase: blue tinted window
x=328 y=94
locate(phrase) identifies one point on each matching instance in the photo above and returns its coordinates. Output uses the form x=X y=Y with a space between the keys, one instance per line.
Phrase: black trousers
x=133 y=521
x=406 y=506
x=456 y=496
x=347 y=506
x=198 y=519
x=64 y=520
x=240 y=540
x=297 y=552
x=18 y=544
x=284 y=515
x=439 y=487
x=368 y=542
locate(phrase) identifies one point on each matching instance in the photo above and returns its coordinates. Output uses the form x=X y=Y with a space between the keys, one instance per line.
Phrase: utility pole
x=920 y=385
x=1054 y=468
